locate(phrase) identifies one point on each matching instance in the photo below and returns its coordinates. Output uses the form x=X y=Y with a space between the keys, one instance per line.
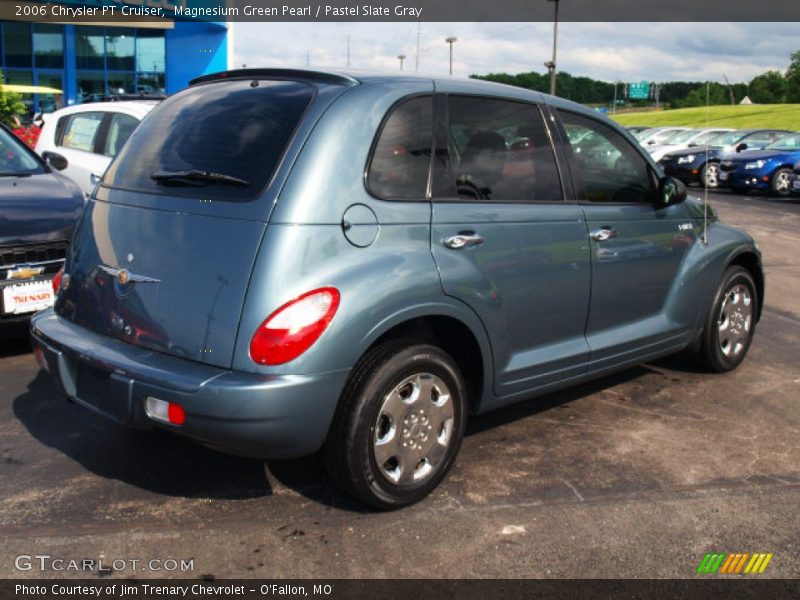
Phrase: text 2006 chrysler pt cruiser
x=281 y=262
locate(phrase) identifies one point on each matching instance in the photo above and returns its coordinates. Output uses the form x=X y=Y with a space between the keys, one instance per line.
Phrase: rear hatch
x=163 y=255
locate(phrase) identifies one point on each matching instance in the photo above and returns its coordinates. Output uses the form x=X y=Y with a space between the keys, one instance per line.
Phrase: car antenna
x=705 y=179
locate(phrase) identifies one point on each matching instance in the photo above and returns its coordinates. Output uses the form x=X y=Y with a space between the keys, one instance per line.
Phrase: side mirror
x=741 y=147
x=55 y=161
x=670 y=191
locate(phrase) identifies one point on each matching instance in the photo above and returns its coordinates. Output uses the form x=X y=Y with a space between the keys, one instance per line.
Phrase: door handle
x=94 y=178
x=603 y=234
x=464 y=239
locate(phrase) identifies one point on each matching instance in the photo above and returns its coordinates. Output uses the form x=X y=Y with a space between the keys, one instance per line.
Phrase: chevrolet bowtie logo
x=25 y=272
x=123 y=276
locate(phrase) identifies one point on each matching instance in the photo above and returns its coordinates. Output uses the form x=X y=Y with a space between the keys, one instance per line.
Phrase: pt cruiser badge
x=123 y=276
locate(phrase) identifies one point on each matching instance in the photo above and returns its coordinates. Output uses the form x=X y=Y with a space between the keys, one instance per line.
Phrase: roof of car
x=135 y=107
x=355 y=78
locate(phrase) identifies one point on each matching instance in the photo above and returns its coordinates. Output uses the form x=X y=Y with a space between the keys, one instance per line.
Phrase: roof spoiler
x=307 y=75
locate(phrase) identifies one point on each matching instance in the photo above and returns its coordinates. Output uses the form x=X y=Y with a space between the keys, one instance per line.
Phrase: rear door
x=506 y=243
x=636 y=249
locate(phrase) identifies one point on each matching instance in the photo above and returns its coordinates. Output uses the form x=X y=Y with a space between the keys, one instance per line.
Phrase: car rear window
x=236 y=129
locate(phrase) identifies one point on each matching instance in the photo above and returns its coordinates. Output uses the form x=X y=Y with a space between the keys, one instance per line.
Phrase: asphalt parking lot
x=635 y=475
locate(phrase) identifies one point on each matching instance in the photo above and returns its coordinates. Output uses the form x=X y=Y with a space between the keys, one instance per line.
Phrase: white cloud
x=608 y=51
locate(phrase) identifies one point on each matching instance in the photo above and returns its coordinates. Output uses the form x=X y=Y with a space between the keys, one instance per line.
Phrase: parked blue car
x=283 y=262
x=767 y=170
x=701 y=163
x=39 y=209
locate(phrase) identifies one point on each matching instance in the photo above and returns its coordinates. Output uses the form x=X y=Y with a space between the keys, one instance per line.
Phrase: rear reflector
x=39 y=355
x=166 y=412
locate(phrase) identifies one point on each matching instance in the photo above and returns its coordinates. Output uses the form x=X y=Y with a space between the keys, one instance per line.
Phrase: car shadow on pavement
x=14 y=340
x=151 y=460
x=540 y=404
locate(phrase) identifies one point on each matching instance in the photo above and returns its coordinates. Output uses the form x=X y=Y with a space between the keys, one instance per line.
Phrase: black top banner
x=409 y=10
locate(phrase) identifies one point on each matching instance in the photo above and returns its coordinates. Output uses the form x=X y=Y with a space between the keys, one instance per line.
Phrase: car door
x=637 y=249
x=505 y=241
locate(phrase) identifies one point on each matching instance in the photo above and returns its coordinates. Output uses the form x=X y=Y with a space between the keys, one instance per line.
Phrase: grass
x=778 y=116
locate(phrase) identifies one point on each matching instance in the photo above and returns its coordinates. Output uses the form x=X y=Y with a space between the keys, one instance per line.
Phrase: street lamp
x=451 y=40
x=551 y=64
x=402 y=57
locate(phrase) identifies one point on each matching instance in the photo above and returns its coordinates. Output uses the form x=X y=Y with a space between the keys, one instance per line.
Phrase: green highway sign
x=639 y=90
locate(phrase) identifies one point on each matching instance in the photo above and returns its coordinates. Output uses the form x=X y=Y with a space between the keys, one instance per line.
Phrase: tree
x=793 y=79
x=11 y=105
x=768 y=88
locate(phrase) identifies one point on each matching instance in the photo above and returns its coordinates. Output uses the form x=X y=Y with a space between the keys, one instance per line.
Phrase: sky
x=606 y=51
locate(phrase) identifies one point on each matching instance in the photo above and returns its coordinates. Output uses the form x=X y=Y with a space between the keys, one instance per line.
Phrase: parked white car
x=82 y=140
x=684 y=139
x=657 y=135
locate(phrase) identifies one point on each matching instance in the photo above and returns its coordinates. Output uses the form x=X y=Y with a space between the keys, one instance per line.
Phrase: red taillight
x=294 y=327
x=57 y=280
x=175 y=414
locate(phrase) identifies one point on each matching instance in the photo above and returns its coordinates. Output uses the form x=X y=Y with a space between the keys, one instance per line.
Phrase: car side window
x=81 y=131
x=605 y=166
x=119 y=131
x=498 y=151
x=401 y=156
x=757 y=140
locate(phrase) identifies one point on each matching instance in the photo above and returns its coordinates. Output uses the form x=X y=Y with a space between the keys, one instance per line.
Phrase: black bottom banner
x=407 y=589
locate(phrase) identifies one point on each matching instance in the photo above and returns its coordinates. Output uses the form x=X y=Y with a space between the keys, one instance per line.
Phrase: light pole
x=551 y=64
x=402 y=57
x=451 y=40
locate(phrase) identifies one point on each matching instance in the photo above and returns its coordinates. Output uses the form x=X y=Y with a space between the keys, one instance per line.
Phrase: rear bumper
x=252 y=415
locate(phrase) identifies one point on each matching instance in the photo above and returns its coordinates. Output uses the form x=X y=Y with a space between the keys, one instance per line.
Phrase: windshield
x=222 y=140
x=645 y=133
x=726 y=139
x=707 y=137
x=681 y=136
x=789 y=142
x=15 y=158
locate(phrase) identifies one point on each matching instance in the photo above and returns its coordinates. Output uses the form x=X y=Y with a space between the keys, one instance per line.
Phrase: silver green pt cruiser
x=281 y=262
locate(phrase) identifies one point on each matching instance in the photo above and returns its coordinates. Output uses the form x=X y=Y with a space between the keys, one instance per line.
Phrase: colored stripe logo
x=741 y=563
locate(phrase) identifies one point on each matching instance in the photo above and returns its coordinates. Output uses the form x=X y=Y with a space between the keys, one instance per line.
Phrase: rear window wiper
x=196 y=177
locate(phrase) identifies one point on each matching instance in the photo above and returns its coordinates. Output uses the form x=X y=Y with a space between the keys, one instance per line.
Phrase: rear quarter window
x=80 y=131
x=401 y=156
x=232 y=128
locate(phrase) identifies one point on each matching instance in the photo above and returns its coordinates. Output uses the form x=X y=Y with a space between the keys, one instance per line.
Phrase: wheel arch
x=462 y=337
x=751 y=261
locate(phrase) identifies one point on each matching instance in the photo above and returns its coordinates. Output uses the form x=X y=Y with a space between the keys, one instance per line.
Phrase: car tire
x=780 y=184
x=709 y=175
x=399 y=424
x=731 y=322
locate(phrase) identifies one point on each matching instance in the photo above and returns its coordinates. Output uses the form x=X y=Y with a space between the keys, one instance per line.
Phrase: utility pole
x=419 y=32
x=451 y=40
x=730 y=89
x=614 y=109
x=551 y=64
x=402 y=57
